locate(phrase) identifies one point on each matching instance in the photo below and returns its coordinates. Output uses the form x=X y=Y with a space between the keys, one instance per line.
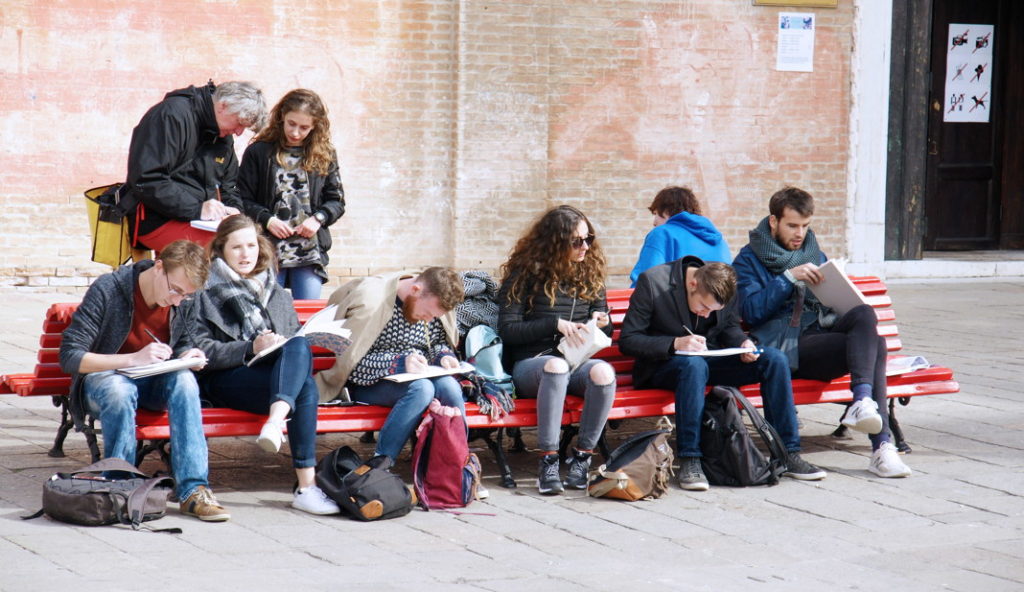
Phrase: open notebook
x=321 y=330
x=594 y=340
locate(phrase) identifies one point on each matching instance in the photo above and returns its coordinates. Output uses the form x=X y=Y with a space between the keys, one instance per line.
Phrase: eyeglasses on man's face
x=176 y=291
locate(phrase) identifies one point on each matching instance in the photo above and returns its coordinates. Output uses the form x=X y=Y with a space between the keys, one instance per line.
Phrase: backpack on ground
x=362 y=491
x=640 y=468
x=729 y=454
x=445 y=473
x=89 y=498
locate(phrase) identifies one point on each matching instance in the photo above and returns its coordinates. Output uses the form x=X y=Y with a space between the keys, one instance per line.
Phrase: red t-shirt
x=157 y=320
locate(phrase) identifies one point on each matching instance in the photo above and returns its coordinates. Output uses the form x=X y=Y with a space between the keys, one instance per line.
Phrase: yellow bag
x=108 y=224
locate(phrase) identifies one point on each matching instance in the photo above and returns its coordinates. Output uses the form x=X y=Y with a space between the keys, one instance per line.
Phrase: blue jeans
x=689 y=375
x=408 y=401
x=287 y=377
x=114 y=398
x=304 y=281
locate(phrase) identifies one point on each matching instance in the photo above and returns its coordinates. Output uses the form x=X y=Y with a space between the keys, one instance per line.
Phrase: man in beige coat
x=400 y=322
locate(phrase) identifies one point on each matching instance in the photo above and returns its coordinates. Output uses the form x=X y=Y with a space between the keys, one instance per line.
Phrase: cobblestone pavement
x=956 y=524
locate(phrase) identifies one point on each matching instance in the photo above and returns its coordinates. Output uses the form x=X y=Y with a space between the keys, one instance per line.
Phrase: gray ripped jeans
x=550 y=389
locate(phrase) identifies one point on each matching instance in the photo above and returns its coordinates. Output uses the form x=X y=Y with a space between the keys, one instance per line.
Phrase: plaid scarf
x=777 y=259
x=244 y=299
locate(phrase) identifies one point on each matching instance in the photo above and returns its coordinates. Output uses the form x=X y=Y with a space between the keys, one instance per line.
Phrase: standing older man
x=182 y=164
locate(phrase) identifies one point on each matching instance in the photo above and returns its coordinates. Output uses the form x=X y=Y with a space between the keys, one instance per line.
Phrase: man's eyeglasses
x=577 y=241
x=174 y=291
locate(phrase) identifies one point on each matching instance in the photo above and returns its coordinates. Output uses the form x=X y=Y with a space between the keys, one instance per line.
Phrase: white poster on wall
x=795 y=51
x=968 y=73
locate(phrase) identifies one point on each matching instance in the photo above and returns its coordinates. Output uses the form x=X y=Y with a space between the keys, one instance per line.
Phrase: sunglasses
x=577 y=242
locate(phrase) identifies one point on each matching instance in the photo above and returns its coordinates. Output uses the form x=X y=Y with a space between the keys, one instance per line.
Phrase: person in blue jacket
x=773 y=272
x=679 y=230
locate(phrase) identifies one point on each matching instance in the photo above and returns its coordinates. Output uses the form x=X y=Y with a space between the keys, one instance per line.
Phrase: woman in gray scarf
x=243 y=311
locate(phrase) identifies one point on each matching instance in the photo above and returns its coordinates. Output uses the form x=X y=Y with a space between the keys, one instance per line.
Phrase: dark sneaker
x=579 y=469
x=549 y=482
x=204 y=506
x=691 y=475
x=798 y=468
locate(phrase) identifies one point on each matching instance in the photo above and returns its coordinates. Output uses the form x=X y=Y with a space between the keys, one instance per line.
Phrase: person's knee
x=772 y=357
x=556 y=366
x=864 y=314
x=183 y=384
x=602 y=374
x=420 y=393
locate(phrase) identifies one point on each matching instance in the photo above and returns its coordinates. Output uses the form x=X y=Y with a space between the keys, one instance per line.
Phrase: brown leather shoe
x=204 y=506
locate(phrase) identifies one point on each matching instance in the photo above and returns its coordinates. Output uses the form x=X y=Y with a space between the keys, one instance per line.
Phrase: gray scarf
x=777 y=259
x=244 y=299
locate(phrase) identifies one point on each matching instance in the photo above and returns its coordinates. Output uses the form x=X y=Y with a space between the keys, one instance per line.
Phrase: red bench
x=152 y=428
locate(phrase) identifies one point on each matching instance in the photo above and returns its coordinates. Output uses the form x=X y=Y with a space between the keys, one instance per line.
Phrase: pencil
x=151 y=336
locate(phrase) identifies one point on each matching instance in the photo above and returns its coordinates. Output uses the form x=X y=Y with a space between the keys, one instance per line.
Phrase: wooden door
x=964 y=167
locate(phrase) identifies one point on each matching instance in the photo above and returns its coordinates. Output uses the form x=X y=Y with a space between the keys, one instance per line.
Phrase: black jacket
x=659 y=312
x=257 y=188
x=177 y=160
x=526 y=333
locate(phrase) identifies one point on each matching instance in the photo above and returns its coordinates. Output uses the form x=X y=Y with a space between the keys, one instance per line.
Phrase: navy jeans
x=286 y=377
x=689 y=375
x=303 y=281
x=114 y=398
x=408 y=401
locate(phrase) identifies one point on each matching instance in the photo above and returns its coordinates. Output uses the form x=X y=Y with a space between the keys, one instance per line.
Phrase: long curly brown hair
x=541 y=260
x=317 y=149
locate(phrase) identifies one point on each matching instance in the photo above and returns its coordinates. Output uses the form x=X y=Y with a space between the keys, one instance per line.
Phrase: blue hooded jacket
x=681 y=235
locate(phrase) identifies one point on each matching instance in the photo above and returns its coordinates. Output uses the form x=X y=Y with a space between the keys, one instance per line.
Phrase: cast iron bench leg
x=66 y=423
x=897 y=432
x=497 y=448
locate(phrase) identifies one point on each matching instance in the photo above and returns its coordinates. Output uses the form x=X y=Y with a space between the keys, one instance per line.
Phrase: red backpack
x=445 y=473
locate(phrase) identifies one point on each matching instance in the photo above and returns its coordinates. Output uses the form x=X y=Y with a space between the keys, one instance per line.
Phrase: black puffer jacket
x=527 y=333
x=177 y=160
x=257 y=188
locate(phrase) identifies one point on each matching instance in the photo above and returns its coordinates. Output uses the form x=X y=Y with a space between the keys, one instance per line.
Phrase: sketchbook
x=836 y=291
x=321 y=330
x=207 y=225
x=594 y=340
x=162 y=367
x=905 y=364
x=431 y=372
x=714 y=353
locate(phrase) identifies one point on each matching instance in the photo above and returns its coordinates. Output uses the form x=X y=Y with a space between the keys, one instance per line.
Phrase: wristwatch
x=320 y=217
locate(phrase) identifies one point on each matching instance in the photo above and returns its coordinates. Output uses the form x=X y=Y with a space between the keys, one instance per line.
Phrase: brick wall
x=456 y=122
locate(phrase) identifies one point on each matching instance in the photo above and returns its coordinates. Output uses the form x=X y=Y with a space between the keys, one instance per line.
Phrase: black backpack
x=89 y=498
x=730 y=456
x=364 y=492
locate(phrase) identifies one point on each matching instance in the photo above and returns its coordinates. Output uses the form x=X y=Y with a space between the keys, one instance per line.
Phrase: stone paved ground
x=957 y=524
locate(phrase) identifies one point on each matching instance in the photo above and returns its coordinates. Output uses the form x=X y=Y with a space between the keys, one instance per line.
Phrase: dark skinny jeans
x=851 y=346
x=285 y=377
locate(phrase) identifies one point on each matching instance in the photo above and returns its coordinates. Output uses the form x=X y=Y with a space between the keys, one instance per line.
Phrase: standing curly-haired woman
x=290 y=186
x=553 y=284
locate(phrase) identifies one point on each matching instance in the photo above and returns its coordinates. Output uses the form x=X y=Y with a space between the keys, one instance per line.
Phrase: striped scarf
x=243 y=299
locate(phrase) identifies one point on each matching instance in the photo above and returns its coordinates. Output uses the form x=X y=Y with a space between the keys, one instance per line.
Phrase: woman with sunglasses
x=553 y=284
x=241 y=312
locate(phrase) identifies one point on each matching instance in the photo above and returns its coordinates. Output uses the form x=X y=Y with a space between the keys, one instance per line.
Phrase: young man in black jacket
x=131 y=317
x=182 y=164
x=688 y=305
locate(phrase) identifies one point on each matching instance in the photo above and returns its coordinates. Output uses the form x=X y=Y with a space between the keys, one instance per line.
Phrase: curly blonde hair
x=317 y=149
x=540 y=261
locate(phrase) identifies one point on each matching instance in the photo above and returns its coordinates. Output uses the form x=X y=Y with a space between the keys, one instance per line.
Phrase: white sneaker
x=271 y=436
x=482 y=492
x=313 y=500
x=886 y=462
x=863 y=416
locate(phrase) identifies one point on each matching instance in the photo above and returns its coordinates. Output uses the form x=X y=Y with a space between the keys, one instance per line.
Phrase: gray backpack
x=89 y=498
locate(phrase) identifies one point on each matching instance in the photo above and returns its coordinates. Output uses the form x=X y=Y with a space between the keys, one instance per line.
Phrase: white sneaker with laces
x=886 y=462
x=313 y=500
x=271 y=436
x=863 y=416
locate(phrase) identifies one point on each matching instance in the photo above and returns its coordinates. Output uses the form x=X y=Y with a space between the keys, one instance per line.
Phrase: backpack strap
x=136 y=504
x=612 y=480
x=779 y=456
